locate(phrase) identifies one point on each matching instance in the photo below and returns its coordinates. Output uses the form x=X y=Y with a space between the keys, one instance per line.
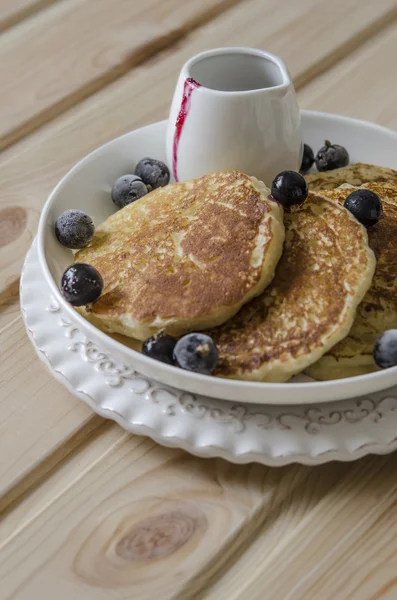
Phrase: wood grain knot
x=158 y=536
x=13 y=221
x=141 y=542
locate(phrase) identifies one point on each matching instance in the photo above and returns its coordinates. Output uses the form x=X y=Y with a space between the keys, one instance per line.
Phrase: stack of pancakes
x=311 y=295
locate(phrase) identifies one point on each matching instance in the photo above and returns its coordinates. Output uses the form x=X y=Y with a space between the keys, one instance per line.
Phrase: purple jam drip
x=188 y=87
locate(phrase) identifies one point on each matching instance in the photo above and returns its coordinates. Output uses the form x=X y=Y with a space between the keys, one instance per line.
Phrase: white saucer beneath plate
x=237 y=431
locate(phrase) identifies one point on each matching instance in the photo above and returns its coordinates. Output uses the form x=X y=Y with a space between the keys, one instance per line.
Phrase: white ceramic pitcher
x=234 y=108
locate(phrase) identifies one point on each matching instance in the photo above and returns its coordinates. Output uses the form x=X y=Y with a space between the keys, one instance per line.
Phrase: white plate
x=87 y=186
x=238 y=432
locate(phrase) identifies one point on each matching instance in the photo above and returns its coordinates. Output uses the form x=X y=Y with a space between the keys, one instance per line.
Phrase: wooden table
x=74 y=74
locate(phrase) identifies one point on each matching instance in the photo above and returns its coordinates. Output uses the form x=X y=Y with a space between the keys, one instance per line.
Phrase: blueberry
x=307 y=159
x=365 y=205
x=289 y=187
x=153 y=172
x=74 y=229
x=127 y=189
x=81 y=284
x=161 y=347
x=385 y=349
x=331 y=156
x=196 y=352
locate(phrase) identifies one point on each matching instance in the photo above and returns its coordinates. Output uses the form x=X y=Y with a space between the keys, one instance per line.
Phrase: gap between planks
x=25 y=486
x=13 y=12
x=154 y=47
x=76 y=446
x=133 y=59
x=331 y=522
x=304 y=497
x=379 y=25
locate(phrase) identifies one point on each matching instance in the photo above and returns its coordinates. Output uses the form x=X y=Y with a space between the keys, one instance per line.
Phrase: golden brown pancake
x=378 y=310
x=355 y=174
x=186 y=256
x=323 y=274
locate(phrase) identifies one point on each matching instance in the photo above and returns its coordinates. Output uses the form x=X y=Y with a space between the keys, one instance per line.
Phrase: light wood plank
x=106 y=438
x=93 y=520
x=77 y=46
x=9 y=305
x=361 y=85
x=231 y=578
x=13 y=11
x=342 y=549
x=38 y=415
x=144 y=522
x=45 y=157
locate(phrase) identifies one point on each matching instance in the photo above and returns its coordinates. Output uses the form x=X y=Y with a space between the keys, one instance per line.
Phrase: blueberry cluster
x=149 y=175
x=193 y=352
x=329 y=157
x=81 y=284
x=365 y=205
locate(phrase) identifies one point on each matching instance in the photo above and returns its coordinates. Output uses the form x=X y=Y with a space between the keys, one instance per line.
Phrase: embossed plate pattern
x=238 y=432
